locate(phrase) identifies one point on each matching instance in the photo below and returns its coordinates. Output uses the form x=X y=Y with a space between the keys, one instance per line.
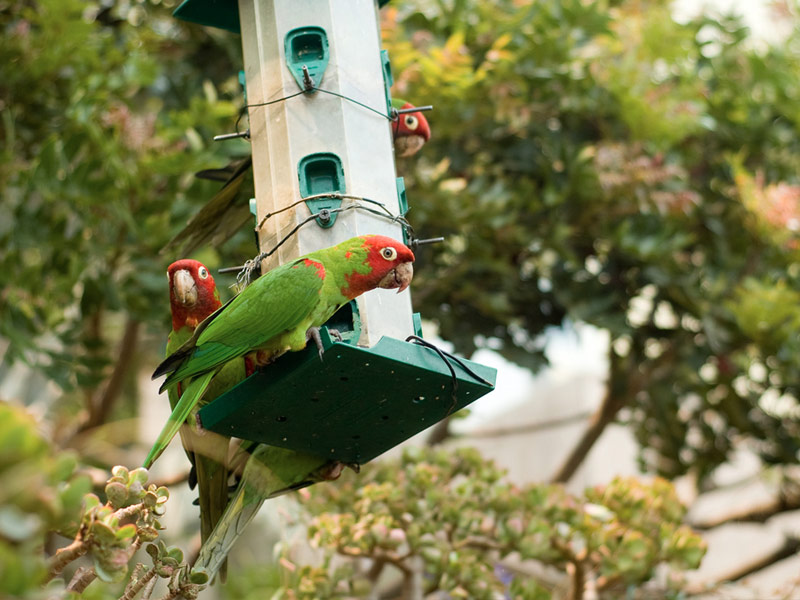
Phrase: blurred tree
x=471 y=534
x=107 y=110
x=591 y=161
x=584 y=168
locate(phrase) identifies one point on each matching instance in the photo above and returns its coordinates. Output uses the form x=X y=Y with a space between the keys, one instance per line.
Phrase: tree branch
x=81 y=580
x=100 y=404
x=619 y=388
x=134 y=588
x=64 y=556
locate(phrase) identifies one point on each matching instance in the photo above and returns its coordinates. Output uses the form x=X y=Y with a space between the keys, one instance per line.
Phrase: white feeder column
x=282 y=134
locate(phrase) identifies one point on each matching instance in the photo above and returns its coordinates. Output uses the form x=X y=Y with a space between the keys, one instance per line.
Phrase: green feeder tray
x=223 y=14
x=353 y=405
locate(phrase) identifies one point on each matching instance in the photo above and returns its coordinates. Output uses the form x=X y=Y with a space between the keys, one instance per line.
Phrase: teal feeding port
x=353 y=405
x=388 y=80
x=307 y=47
x=321 y=173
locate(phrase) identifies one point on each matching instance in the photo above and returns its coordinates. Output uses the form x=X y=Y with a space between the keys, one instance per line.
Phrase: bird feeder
x=317 y=87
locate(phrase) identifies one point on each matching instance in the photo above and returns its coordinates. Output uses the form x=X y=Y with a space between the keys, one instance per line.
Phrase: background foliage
x=590 y=161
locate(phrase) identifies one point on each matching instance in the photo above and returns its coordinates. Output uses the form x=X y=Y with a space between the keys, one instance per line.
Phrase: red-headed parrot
x=279 y=312
x=410 y=131
x=268 y=473
x=193 y=296
x=229 y=209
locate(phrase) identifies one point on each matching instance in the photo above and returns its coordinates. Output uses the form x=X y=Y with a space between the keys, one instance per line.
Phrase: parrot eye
x=411 y=122
x=389 y=253
x=202 y=273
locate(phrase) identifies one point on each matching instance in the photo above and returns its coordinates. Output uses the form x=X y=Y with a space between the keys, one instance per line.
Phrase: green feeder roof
x=353 y=405
x=223 y=14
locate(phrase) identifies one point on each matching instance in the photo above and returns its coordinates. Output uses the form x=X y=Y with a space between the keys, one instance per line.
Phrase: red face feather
x=192 y=293
x=389 y=263
x=413 y=123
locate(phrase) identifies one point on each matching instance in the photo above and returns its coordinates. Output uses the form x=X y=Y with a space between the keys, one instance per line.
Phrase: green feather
x=269 y=472
x=189 y=399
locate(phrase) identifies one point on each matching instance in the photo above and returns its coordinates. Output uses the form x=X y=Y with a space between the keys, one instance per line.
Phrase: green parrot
x=224 y=215
x=410 y=131
x=269 y=472
x=279 y=312
x=229 y=209
x=193 y=296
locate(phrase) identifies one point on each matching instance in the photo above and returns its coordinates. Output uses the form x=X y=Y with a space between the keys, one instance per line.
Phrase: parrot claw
x=313 y=334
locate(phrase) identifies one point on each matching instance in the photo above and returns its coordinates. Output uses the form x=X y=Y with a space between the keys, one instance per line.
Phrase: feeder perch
x=353 y=405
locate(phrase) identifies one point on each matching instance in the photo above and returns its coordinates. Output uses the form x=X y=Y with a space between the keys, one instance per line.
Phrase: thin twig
x=134 y=588
x=81 y=580
x=385 y=557
x=129 y=511
x=149 y=587
x=64 y=556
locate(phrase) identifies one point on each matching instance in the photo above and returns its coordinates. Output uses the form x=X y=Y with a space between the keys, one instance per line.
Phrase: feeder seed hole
x=385 y=417
x=418 y=399
x=343 y=378
x=280 y=419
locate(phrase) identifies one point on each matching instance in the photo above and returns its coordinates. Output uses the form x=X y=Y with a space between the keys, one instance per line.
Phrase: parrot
x=193 y=296
x=225 y=214
x=229 y=209
x=410 y=131
x=279 y=312
x=269 y=472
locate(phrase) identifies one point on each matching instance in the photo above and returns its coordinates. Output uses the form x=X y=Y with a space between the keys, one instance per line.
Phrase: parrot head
x=192 y=293
x=410 y=132
x=387 y=261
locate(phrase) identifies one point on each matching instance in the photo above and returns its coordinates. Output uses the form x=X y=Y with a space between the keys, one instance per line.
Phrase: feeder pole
x=292 y=139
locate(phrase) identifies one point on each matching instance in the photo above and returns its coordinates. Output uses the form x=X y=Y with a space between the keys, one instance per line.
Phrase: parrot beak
x=184 y=287
x=399 y=277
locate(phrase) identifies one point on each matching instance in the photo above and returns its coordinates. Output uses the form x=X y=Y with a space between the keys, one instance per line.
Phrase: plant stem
x=81 y=580
x=134 y=588
x=64 y=556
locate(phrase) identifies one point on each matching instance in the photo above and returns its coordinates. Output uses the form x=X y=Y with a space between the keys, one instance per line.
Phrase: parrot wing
x=225 y=214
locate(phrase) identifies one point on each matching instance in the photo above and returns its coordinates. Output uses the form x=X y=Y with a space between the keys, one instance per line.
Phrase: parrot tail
x=268 y=473
x=189 y=399
x=240 y=511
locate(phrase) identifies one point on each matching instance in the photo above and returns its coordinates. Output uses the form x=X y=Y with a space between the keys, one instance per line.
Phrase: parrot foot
x=332 y=470
x=199 y=424
x=313 y=334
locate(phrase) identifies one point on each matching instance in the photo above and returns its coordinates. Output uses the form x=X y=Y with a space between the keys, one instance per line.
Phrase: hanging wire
x=394 y=113
x=447 y=358
x=245 y=274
